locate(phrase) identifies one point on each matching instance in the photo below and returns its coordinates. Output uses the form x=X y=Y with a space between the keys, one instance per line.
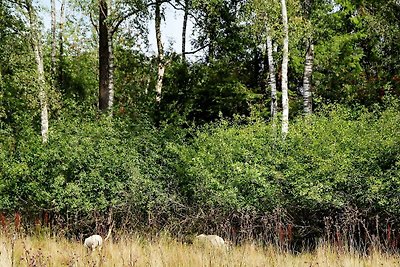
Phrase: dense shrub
x=229 y=166
x=220 y=176
x=330 y=162
x=86 y=166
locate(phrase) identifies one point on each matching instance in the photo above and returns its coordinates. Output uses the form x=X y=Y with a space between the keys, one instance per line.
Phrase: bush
x=229 y=166
x=86 y=166
x=227 y=173
x=329 y=162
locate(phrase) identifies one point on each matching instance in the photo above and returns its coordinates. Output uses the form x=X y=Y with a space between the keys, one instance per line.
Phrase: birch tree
x=308 y=65
x=160 y=52
x=35 y=40
x=271 y=75
x=111 y=16
x=285 y=61
x=264 y=17
x=61 y=43
x=53 y=39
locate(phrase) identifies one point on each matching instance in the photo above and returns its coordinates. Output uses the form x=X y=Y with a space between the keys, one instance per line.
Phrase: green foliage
x=79 y=77
x=356 y=59
x=86 y=166
x=339 y=160
x=135 y=80
x=333 y=160
x=200 y=94
x=226 y=166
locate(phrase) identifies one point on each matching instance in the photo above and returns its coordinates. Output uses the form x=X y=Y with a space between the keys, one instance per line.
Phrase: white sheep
x=93 y=242
x=213 y=240
x=96 y=241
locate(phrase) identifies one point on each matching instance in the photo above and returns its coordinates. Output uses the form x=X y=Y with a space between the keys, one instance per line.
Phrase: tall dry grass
x=165 y=251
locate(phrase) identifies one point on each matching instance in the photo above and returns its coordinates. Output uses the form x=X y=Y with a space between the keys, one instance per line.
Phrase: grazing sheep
x=213 y=240
x=96 y=241
x=93 y=242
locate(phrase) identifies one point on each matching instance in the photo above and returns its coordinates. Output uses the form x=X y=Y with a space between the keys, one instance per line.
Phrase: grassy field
x=136 y=251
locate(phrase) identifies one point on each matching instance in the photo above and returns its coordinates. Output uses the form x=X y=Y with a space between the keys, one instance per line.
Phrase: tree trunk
x=211 y=35
x=37 y=49
x=308 y=65
x=308 y=68
x=271 y=76
x=111 y=73
x=53 y=39
x=104 y=57
x=161 y=63
x=184 y=28
x=285 y=61
x=44 y=119
x=61 y=44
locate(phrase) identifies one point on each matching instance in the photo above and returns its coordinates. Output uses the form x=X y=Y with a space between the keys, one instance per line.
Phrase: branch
x=94 y=23
x=21 y=4
x=103 y=11
x=115 y=27
x=91 y=17
x=17 y=2
x=109 y=231
x=175 y=7
x=197 y=50
x=182 y=8
x=122 y=19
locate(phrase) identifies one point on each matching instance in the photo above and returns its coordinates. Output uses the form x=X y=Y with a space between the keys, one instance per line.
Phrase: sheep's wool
x=214 y=240
x=93 y=242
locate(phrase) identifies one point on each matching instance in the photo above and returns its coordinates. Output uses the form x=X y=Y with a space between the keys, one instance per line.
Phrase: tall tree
x=186 y=8
x=110 y=63
x=53 y=39
x=104 y=57
x=271 y=75
x=308 y=68
x=285 y=61
x=111 y=14
x=263 y=15
x=160 y=51
x=36 y=43
x=308 y=65
x=61 y=44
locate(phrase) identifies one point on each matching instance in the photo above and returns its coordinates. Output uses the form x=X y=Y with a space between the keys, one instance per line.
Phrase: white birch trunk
x=271 y=77
x=308 y=68
x=37 y=49
x=53 y=39
x=44 y=119
x=285 y=61
x=160 y=78
x=61 y=44
x=110 y=66
x=160 y=48
x=111 y=75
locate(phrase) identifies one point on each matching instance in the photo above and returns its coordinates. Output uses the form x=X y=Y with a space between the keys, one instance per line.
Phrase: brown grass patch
x=165 y=251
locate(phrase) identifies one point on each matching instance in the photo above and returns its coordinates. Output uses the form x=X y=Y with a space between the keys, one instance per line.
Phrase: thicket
x=335 y=171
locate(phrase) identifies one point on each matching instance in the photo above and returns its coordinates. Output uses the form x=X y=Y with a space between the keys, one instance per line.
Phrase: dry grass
x=136 y=251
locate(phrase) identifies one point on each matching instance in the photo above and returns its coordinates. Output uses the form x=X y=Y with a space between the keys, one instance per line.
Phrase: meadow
x=135 y=250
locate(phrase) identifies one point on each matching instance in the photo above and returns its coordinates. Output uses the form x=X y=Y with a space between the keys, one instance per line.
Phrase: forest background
x=94 y=129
